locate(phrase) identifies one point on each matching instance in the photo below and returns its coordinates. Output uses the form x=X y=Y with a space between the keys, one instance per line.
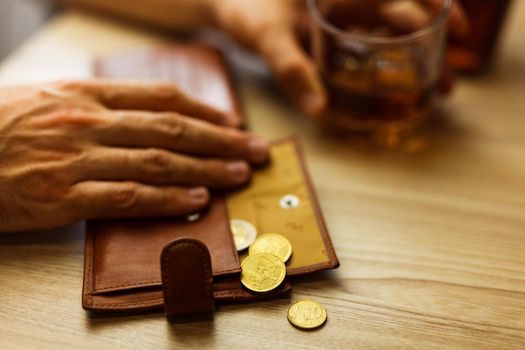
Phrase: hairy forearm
x=165 y=14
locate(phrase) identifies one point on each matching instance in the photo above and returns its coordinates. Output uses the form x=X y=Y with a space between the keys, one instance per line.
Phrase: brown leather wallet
x=199 y=70
x=186 y=264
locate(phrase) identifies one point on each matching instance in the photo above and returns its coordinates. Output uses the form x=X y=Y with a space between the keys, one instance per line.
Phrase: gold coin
x=272 y=243
x=244 y=233
x=307 y=314
x=262 y=272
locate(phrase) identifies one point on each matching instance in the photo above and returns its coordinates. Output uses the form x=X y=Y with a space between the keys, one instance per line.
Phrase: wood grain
x=432 y=244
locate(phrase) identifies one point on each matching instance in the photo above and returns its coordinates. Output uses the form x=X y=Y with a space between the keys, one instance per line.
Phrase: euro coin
x=272 y=243
x=262 y=272
x=307 y=314
x=244 y=233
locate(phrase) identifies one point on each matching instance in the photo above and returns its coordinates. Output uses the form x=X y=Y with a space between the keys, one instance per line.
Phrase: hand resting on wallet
x=80 y=150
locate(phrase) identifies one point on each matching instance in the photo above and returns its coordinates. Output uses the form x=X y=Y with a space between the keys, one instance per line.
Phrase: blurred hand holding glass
x=381 y=61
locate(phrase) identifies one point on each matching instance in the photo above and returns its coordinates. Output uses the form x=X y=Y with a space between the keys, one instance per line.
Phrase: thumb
x=293 y=69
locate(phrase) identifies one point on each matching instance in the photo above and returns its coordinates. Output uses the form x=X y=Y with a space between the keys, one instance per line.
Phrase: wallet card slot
x=143 y=299
x=220 y=284
x=125 y=249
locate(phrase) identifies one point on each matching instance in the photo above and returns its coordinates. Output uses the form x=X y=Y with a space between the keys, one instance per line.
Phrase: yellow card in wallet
x=280 y=200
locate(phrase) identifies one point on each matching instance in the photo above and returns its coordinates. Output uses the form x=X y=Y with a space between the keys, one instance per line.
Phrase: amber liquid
x=371 y=109
x=486 y=20
x=373 y=90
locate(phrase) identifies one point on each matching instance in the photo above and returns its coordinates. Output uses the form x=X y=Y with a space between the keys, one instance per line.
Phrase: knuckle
x=164 y=91
x=124 y=195
x=214 y=172
x=233 y=142
x=80 y=117
x=73 y=118
x=69 y=85
x=201 y=171
x=157 y=163
x=175 y=126
x=237 y=139
x=46 y=192
x=45 y=185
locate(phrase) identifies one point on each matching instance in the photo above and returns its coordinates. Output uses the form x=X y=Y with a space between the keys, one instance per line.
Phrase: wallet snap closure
x=187 y=277
x=289 y=201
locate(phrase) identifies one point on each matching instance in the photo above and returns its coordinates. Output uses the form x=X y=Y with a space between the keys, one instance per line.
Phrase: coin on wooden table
x=262 y=272
x=244 y=233
x=307 y=314
x=272 y=243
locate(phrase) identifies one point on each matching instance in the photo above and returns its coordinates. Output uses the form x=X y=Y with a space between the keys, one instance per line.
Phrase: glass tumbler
x=381 y=62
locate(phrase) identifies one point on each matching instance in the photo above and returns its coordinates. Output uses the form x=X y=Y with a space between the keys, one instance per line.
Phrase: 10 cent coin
x=307 y=314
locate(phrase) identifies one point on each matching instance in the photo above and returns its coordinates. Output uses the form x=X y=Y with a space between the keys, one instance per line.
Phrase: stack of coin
x=263 y=269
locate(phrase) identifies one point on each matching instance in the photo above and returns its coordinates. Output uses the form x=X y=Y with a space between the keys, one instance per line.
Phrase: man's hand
x=269 y=27
x=76 y=150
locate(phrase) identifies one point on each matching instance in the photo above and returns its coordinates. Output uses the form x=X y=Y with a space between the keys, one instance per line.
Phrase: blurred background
x=18 y=19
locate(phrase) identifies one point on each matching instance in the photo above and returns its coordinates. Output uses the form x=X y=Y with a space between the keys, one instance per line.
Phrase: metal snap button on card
x=289 y=201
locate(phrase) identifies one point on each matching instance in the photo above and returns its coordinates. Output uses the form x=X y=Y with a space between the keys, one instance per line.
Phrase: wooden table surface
x=431 y=244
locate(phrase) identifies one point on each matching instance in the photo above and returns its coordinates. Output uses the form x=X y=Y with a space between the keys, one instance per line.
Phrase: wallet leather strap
x=186 y=277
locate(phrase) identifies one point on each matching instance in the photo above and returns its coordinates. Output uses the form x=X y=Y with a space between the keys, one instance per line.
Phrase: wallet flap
x=187 y=282
x=199 y=70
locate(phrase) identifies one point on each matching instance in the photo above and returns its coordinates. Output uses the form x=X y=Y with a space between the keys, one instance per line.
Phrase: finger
x=405 y=16
x=148 y=96
x=94 y=200
x=295 y=72
x=174 y=132
x=155 y=166
x=458 y=22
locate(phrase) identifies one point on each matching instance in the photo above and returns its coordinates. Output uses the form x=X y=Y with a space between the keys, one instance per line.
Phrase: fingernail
x=238 y=170
x=258 y=149
x=199 y=194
